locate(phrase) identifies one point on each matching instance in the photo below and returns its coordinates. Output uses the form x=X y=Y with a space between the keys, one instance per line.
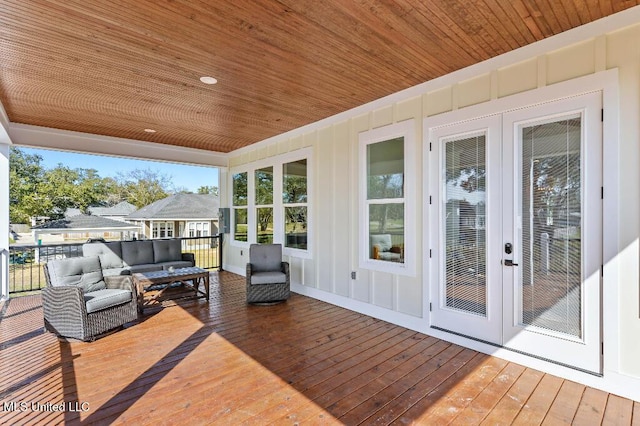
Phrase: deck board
x=301 y=362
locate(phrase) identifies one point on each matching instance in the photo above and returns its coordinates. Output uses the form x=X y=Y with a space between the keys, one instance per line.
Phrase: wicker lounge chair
x=267 y=274
x=80 y=303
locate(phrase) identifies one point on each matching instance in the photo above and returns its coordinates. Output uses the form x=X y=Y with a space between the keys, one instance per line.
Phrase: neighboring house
x=179 y=215
x=118 y=212
x=86 y=226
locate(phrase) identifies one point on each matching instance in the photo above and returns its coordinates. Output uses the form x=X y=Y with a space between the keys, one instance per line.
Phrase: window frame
x=164 y=226
x=295 y=205
x=235 y=207
x=277 y=162
x=258 y=206
x=198 y=225
x=407 y=131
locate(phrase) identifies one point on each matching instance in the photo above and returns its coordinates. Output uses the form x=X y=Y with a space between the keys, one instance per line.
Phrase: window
x=240 y=200
x=264 y=204
x=270 y=202
x=387 y=194
x=162 y=230
x=198 y=229
x=294 y=201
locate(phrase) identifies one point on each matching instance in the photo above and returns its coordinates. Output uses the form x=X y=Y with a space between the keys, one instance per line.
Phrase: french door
x=519 y=230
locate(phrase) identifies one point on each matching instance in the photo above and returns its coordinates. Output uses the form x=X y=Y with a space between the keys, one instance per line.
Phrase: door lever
x=509 y=262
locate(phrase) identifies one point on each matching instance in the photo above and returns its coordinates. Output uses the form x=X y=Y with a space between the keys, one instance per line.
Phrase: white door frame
x=486 y=328
x=585 y=352
x=607 y=82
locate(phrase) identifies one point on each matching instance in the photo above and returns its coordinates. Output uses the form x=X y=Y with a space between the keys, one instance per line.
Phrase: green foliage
x=240 y=191
x=213 y=190
x=35 y=191
x=143 y=187
x=25 y=175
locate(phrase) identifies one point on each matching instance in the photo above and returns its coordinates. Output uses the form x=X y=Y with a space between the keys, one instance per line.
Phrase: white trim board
x=64 y=140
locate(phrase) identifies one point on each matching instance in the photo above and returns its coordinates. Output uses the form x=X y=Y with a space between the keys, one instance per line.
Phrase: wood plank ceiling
x=118 y=67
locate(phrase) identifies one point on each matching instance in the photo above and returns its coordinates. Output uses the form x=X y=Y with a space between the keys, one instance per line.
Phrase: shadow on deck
x=300 y=362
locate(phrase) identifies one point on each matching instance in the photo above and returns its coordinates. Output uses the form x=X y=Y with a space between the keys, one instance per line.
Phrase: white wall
x=606 y=44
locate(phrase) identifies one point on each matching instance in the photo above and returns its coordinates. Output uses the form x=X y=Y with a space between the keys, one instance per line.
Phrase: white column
x=5 y=142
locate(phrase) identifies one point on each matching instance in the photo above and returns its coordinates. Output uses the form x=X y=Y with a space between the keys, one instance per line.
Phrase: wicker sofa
x=128 y=257
x=79 y=302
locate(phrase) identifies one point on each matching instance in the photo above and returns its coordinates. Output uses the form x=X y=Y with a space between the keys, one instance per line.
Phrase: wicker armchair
x=80 y=303
x=267 y=274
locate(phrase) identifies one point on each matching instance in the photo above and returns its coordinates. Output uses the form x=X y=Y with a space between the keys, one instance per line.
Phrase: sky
x=182 y=176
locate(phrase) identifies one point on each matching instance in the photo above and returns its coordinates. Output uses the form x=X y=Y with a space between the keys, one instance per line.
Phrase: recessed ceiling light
x=208 y=80
x=149 y=130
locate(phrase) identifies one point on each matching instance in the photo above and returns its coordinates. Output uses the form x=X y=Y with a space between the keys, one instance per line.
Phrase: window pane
x=265 y=225
x=551 y=233
x=386 y=232
x=240 y=231
x=294 y=182
x=264 y=186
x=465 y=260
x=295 y=227
x=240 y=189
x=385 y=169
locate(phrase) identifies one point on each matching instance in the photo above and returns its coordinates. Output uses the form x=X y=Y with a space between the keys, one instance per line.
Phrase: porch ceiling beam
x=64 y=140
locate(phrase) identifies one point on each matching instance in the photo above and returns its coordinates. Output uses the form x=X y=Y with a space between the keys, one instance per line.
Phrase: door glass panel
x=551 y=262
x=465 y=242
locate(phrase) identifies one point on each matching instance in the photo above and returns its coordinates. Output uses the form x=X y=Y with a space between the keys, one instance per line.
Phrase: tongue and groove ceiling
x=119 y=67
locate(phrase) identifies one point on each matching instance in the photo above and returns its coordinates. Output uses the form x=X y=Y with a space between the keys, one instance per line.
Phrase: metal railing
x=25 y=262
x=207 y=250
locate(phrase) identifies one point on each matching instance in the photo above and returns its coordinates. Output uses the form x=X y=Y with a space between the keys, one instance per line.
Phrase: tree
x=25 y=174
x=142 y=187
x=213 y=190
x=35 y=191
x=240 y=189
x=295 y=191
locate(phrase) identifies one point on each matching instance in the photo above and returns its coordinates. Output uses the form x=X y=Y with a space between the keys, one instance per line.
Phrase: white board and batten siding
x=604 y=48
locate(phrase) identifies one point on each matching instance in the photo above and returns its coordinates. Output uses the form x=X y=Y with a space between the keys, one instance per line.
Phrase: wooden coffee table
x=189 y=278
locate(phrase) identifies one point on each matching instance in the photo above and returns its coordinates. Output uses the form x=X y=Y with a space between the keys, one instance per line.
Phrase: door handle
x=509 y=262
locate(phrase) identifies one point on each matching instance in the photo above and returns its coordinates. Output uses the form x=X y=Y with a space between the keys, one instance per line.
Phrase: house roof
x=84 y=222
x=117 y=69
x=180 y=206
x=123 y=208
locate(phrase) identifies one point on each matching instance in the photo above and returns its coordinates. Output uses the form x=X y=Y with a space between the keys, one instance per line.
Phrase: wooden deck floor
x=302 y=362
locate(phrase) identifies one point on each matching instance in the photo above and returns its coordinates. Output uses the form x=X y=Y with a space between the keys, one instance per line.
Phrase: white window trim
x=233 y=208
x=277 y=163
x=193 y=225
x=166 y=225
x=407 y=130
x=265 y=206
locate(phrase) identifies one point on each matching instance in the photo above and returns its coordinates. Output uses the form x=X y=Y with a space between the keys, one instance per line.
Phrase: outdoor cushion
x=268 y=278
x=137 y=252
x=265 y=257
x=167 y=250
x=110 y=254
x=383 y=241
x=84 y=272
x=389 y=256
x=106 y=298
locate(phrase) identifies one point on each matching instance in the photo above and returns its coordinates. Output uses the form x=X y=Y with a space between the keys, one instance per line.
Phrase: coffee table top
x=163 y=276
